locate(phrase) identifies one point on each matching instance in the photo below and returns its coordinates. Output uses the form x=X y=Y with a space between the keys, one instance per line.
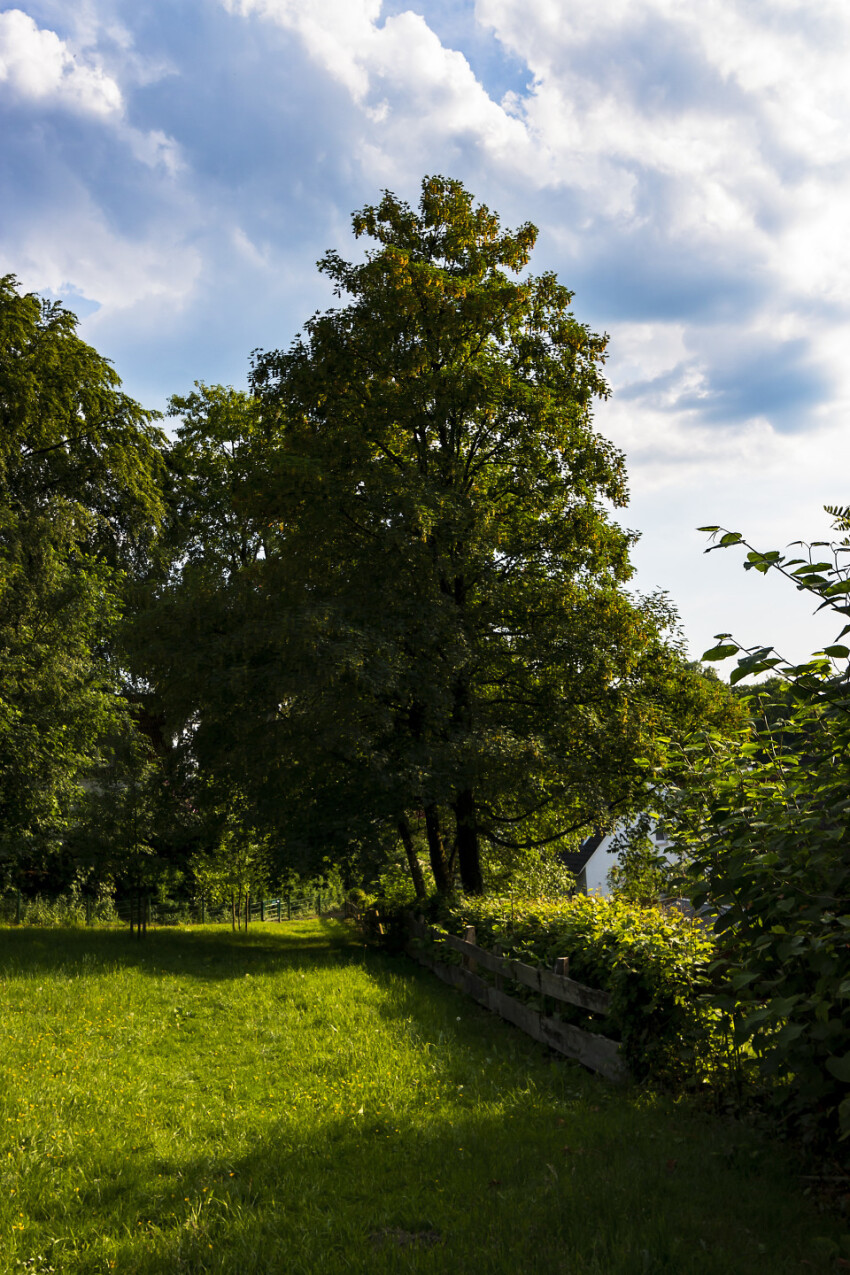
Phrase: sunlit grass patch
x=287 y=1100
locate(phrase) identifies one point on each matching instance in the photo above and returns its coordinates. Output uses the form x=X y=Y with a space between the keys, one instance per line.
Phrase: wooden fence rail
x=589 y=1048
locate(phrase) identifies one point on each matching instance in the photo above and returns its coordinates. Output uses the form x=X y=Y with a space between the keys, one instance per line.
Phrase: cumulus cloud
x=415 y=93
x=36 y=66
x=73 y=248
x=692 y=167
x=68 y=232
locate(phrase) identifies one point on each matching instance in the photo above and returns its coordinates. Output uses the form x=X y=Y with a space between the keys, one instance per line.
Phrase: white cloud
x=39 y=68
x=336 y=33
x=416 y=93
x=744 y=108
x=154 y=149
x=74 y=247
x=36 y=66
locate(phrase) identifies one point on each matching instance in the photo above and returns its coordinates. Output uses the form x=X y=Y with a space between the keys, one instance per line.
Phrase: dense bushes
x=761 y=820
x=654 y=963
x=73 y=908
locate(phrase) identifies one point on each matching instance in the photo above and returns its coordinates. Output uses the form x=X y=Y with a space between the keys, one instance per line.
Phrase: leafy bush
x=643 y=873
x=764 y=818
x=654 y=963
x=395 y=888
x=70 y=909
x=535 y=873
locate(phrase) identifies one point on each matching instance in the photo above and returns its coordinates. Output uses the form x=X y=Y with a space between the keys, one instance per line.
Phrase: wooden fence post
x=497 y=978
x=470 y=962
x=262 y=909
x=562 y=969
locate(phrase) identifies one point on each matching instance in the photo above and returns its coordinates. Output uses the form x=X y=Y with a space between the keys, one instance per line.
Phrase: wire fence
x=76 y=910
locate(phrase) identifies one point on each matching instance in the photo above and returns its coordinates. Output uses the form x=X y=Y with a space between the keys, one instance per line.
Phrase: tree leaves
x=81 y=501
x=763 y=818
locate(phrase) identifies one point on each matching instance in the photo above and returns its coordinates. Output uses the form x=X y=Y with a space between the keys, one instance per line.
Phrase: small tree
x=236 y=870
x=643 y=873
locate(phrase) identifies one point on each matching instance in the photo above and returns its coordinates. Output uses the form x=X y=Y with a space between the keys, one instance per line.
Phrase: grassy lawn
x=288 y=1102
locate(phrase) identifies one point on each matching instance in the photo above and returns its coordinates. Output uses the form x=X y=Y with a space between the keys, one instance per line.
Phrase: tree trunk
x=412 y=861
x=232 y=910
x=468 y=851
x=436 y=849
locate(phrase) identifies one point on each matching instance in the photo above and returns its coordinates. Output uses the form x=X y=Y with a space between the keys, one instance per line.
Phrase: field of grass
x=288 y=1101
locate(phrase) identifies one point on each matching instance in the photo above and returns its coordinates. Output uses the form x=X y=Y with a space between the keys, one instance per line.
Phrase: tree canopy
x=414 y=602
x=80 y=500
x=380 y=599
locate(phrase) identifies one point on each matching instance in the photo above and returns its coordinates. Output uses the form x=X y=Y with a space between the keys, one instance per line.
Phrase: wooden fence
x=592 y=1050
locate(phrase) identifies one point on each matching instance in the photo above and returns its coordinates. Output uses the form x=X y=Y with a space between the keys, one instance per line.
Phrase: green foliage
x=80 y=905
x=197 y=614
x=764 y=817
x=655 y=963
x=80 y=501
x=527 y=873
x=394 y=888
x=643 y=873
x=115 y=818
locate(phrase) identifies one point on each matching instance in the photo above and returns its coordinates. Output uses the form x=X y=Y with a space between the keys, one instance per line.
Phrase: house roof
x=575 y=860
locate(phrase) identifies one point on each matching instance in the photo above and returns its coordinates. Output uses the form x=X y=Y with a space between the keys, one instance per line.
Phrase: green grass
x=287 y=1101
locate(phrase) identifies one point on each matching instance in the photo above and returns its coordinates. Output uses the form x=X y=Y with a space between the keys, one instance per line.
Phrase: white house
x=595 y=858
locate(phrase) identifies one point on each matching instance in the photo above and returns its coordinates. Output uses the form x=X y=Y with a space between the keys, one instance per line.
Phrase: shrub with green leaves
x=764 y=818
x=74 y=908
x=655 y=964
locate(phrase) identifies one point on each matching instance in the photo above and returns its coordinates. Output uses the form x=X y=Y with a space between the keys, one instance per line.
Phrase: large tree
x=445 y=578
x=80 y=499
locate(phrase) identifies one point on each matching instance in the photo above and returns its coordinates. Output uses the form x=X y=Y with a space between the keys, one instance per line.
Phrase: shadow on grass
x=545 y=1187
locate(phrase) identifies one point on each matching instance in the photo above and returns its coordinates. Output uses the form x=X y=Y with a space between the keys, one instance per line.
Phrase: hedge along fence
x=71 y=909
x=597 y=1052
x=652 y=968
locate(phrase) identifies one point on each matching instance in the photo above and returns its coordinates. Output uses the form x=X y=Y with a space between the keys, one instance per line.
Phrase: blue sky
x=173 y=170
